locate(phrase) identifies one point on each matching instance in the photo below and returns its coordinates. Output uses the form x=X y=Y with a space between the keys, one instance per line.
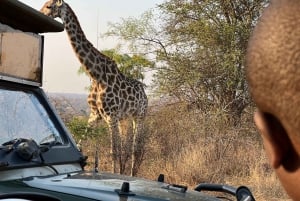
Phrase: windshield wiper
x=3 y=164
x=46 y=146
x=28 y=150
x=49 y=141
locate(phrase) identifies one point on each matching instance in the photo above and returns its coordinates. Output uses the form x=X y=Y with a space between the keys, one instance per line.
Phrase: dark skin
x=273 y=75
x=282 y=153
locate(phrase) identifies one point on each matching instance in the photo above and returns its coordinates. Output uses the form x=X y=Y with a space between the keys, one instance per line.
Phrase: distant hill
x=69 y=105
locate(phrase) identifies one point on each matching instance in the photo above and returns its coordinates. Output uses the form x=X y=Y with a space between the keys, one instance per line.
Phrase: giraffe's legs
x=93 y=118
x=126 y=144
x=115 y=144
x=138 y=145
x=92 y=102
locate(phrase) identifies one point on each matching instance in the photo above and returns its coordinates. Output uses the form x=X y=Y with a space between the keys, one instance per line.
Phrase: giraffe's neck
x=95 y=63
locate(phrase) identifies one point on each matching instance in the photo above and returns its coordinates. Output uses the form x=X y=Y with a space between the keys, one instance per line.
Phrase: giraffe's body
x=114 y=96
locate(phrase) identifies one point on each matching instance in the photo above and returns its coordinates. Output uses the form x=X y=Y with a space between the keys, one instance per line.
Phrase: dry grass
x=190 y=147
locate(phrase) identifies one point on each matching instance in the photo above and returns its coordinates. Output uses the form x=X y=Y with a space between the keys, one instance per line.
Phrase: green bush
x=80 y=130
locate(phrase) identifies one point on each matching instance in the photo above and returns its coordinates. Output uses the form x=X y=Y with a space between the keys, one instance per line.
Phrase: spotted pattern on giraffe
x=113 y=96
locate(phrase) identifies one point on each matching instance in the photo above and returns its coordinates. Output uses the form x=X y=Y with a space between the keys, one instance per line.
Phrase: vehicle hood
x=105 y=186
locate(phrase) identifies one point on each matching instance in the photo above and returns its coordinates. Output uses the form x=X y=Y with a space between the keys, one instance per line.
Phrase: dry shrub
x=190 y=147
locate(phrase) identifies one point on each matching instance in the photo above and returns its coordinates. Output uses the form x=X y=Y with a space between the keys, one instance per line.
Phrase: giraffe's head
x=52 y=8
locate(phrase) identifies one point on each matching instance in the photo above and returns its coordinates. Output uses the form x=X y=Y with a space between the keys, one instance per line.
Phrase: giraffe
x=114 y=96
x=94 y=116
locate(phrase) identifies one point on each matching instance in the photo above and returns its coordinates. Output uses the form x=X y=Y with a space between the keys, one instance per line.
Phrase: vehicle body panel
x=103 y=186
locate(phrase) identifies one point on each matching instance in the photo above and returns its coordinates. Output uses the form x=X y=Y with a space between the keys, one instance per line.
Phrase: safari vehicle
x=39 y=159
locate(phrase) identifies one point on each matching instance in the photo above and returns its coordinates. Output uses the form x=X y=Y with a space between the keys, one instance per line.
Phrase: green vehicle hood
x=106 y=186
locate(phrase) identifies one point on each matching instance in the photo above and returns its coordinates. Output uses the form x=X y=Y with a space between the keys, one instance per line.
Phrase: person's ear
x=276 y=141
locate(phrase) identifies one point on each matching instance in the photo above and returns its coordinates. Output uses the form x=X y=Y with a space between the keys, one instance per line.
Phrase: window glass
x=23 y=116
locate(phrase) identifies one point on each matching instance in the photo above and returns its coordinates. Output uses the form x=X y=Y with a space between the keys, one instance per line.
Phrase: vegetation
x=200 y=48
x=190 y=147
x=206 y=133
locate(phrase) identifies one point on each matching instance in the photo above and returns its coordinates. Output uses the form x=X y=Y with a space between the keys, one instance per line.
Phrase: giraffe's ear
x=59 y=3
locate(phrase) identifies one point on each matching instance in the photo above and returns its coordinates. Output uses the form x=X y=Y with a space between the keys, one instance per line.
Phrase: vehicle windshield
x=23 y=116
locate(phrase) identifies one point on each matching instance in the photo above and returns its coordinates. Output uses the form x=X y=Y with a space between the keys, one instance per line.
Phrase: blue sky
x=60 y=62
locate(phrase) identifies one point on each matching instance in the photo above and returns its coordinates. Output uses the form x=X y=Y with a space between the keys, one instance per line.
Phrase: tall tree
x=200 y=46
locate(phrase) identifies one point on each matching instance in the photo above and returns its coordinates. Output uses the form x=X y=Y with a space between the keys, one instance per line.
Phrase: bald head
x=273 y=63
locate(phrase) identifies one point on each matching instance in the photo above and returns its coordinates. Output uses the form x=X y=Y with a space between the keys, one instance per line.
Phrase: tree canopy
x=199 y=47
